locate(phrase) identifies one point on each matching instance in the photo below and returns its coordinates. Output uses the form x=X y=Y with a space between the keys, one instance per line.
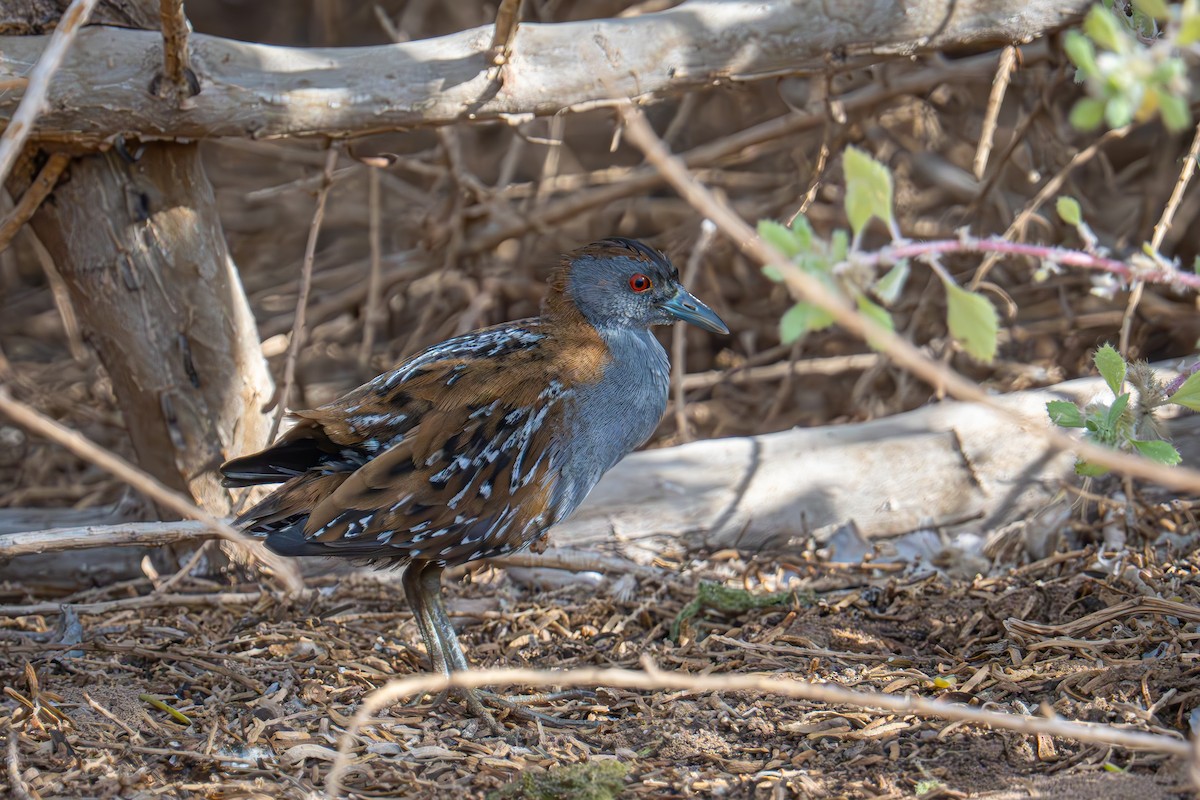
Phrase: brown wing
x=448 y=457
x=471 y=480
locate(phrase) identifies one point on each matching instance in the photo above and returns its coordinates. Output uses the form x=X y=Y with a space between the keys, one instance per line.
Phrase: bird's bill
x=687 y=308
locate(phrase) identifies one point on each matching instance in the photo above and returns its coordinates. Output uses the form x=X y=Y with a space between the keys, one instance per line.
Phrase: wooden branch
x=128 y=534
x=254 y=90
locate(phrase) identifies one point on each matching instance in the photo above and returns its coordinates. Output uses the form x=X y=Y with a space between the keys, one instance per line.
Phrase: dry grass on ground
x=268 y=687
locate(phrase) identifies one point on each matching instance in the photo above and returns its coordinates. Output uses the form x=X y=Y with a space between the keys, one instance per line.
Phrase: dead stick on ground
x=42 y=185
x=83 y=447
x=653 y=679
x=908 y=356
x=298 y=330
x=12 y=141
x=16 y=782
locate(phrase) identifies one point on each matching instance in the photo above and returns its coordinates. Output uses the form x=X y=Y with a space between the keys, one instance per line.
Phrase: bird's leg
x=430 y=590
x=432 y=584
x=424 y=618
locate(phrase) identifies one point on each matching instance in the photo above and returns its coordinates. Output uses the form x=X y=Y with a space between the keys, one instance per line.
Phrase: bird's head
x=622 y=283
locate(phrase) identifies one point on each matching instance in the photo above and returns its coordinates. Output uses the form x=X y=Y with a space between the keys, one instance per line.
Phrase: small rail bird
x=477 y=446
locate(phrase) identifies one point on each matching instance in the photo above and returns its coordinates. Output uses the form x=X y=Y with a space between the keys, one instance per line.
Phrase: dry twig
x=679 y=335
x=20 y=126
x=83 y=447
x=1160 y=231
x=16 y=782
x=396 y=690
x=298 y=329
x=42 y=185
x=1008 y=63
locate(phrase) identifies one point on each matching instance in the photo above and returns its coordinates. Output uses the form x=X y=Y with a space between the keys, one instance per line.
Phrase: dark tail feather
x=291 y=542
x=304 y=447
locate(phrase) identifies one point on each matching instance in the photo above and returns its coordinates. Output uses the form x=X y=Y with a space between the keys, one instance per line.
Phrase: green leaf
x=803 y=232
x=878 y=314
x=780 y=237
x=1068 y=209
x=1104 y=29
x=889 y=287
x=1111 y=366
x=972 y=321
x=1152 y=8
x=868 y=189
x=1175 y=112
x=1114 y=413
x=1158 y=450
x=1118 y=111
x=839 y=246
x=1087 y=114
x=801 y=319
x=1064 y=414
x=1188 y=395
x=1082 y=53
x=1090 y=470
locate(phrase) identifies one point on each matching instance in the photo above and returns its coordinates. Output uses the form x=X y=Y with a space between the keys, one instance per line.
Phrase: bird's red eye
x=640 y=283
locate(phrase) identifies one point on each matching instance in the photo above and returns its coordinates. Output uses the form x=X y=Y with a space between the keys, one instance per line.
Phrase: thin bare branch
x=646 y=177
x=653 y=679
x=298 y=329
x=1160 y=231
x=833 y=365
x=1008 y=63
x=33 y=100
x=679 y=334
x=42 y=185
x=83 y=447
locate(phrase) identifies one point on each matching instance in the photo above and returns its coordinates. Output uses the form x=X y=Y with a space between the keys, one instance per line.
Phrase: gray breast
x=612 y=417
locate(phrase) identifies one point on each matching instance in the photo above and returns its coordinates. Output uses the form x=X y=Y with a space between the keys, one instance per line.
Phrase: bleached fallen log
x=254 y=90
x=946 y=465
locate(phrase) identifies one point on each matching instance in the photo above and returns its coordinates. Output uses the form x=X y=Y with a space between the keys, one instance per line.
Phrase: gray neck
x=614 y=416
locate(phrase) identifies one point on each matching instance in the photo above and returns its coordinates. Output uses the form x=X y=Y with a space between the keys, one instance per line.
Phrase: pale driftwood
x=254 y=90
x=950 y=465
x=141 y=251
